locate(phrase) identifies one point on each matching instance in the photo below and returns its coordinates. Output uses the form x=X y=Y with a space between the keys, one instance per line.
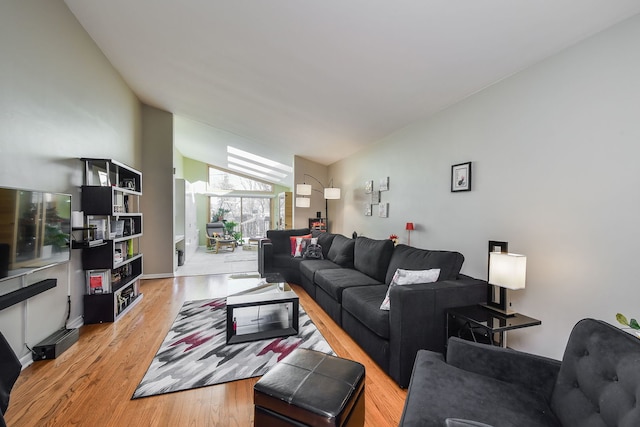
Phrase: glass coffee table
x=261 y=311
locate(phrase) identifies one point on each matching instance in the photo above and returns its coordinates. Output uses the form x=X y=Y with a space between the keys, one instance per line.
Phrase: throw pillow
x=301 y=246
x=292 y=240
x=314 y=250
x=341 y=251
x=409 y=277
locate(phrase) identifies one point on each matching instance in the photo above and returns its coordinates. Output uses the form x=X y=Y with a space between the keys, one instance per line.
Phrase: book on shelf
x=99 y=226
x=98 y=282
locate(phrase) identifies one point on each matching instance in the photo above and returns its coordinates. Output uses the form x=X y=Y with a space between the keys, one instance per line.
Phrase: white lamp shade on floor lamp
x=303 y=202
x=332 y=193
x=303 y=190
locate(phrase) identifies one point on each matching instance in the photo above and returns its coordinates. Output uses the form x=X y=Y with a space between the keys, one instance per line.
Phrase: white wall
x=555 y=154
x=60 y=100
x=157 y=201
x=208 y=144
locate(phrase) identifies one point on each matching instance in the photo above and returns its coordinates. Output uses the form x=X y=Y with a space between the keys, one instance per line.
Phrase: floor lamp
x=329 y=193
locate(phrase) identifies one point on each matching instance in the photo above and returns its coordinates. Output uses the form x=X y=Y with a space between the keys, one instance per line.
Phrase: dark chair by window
x=214 y=228
x=215 y=237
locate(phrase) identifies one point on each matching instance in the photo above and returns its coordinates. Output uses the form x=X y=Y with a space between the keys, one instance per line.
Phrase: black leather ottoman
x=309 y=388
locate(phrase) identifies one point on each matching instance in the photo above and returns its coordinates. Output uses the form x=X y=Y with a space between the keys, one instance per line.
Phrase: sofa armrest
x=417 y=319
x=262 y=241
x=265 y=255
x=536 y=373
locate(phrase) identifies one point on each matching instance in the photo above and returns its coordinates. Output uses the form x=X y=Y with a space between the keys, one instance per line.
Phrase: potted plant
x=229 y=227
x=631 y=324
x=218 y=215
x=230 y=230
x=53 y=238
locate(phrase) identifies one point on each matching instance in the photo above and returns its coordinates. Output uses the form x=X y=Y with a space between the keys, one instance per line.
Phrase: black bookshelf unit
x=111 y=239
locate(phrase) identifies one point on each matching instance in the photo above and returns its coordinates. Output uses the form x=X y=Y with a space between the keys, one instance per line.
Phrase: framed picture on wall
x=375 y=197
x=383 y=210
x=367 y=209
x=461 y=177
x=368 y=186
x=104 y=178
x=384 y=184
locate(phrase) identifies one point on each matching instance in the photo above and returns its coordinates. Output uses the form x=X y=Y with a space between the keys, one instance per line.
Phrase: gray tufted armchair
x=596 y=385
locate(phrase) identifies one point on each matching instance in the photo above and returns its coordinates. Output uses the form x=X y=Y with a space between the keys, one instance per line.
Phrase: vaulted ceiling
x=324 y=78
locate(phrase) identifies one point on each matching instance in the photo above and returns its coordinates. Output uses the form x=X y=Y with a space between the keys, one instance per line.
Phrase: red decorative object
x=409 y=228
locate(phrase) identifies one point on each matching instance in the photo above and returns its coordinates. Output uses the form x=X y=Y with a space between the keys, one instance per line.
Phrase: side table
x=481 y=324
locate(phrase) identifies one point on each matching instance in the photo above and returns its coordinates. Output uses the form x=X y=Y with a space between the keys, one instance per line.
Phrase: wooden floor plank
x=91 y=383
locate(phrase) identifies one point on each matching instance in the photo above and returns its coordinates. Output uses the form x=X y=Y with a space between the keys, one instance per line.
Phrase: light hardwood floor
x=91 y=383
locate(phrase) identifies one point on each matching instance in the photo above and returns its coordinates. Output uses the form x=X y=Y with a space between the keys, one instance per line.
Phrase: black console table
x=480 y=324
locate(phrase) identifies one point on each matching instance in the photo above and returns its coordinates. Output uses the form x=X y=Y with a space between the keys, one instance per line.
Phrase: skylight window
x=258 y=166
x=265 y=170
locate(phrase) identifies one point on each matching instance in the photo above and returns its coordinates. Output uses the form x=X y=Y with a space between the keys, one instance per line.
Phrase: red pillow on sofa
x=292 y=239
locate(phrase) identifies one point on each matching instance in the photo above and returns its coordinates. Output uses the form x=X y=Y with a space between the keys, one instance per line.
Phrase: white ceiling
x=324 y=78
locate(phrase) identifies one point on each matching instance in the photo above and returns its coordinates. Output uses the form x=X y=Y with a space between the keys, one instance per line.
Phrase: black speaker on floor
x=55 y=344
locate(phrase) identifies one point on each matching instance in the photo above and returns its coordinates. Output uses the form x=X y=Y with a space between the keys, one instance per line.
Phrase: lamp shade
x=303 y=202
x=303 y=190
x=332 y=193
x=507 y=270
x=409 y=226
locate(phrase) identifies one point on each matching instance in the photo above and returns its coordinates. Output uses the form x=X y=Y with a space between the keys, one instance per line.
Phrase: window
x=251 y=213
x=222 y=180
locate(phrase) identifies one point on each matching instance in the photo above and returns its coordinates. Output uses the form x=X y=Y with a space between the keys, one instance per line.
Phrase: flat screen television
x=35 y=230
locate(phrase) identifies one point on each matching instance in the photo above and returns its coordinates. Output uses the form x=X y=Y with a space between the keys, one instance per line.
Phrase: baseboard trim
x=75 y=323
x=158 y=276
x=26 y=360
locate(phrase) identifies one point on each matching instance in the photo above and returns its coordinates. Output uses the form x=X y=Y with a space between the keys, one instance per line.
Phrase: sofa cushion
x=334 y=281
x=363 y=303
x=372 y=256
x=409 y=258
x=599 y=380
x=280 y=239
x=308 y=267
x=324 y=240
x=341 y=251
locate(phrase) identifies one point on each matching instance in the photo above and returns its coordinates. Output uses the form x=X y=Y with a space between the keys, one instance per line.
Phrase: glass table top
x=252 y=284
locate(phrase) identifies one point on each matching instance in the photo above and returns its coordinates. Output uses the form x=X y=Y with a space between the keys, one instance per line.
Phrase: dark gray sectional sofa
x=351 y=282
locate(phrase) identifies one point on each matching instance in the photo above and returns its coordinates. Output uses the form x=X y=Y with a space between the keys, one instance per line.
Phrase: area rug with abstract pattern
x=195 y=354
